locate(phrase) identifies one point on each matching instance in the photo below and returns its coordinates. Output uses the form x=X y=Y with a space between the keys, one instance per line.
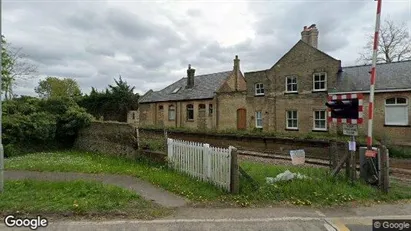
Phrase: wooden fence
x=201 y=161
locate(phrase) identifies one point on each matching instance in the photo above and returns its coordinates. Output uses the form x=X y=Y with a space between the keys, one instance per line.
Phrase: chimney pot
x=310 y=35
x=236 y=72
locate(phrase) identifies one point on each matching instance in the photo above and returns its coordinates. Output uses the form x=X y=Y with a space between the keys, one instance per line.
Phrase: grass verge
x=400 y=152
x=320 y=190
x=75 y=198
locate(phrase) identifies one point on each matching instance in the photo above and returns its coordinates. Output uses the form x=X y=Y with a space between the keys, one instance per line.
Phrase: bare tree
x=18 y=68
x=394 y=44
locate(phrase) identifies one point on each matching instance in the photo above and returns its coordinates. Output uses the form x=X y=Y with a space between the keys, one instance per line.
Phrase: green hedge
x=31 y=124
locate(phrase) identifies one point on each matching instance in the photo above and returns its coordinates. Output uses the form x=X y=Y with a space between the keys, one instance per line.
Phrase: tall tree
x=15 y=66
x=53 y=87
x=394 y=44
x=113 y=103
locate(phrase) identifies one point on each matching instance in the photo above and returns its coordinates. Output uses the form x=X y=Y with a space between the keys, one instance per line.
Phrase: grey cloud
x=331 y=18
x=81 y=39
x=194 y=13
x=100 y=50
x=85 y=20
x=129 y=24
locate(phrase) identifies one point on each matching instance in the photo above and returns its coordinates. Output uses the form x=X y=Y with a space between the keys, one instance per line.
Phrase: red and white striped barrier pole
x=373 y=75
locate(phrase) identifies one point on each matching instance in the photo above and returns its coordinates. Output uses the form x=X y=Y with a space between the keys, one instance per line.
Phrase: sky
x=151 y=43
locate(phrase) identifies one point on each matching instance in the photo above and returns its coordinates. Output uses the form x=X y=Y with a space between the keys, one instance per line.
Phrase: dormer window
x=176 y=90
x=259 y=89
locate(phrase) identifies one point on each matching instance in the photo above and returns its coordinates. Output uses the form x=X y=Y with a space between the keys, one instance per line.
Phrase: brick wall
x=393 y=134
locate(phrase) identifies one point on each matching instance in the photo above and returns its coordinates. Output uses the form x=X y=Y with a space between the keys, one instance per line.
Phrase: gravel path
x=145 y=189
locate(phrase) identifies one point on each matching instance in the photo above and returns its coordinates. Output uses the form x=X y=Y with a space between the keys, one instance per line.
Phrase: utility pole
x=1 y=121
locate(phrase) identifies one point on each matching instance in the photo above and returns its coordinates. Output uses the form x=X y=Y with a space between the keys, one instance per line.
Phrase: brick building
x=289 y=97
x=392 y=110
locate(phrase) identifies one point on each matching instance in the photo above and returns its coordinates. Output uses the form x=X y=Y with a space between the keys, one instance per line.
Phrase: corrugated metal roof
x=204 y=88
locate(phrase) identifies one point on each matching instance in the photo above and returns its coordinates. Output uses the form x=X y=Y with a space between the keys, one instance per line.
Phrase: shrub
x=29 y=121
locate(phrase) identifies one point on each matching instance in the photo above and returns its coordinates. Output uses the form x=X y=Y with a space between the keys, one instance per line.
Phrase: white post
x=230 y=149
x=373 y=76
x=170 y=149
x=207 y=160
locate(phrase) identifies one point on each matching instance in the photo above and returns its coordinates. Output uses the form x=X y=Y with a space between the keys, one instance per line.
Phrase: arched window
x=396 y=111
x=134 y=116
x=171 y=112
x=190 y=112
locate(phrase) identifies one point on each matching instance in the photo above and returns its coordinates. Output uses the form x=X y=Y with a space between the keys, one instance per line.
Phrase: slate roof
x=204 y=88
x=390 y=76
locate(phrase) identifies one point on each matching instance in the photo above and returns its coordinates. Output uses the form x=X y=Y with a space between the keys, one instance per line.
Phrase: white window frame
x=315 y=119
x=258 y=119
x=257 y=89
x=325 y=81
x=287 y=118
x=286 y=84
x=396 y=104
x=171 y=112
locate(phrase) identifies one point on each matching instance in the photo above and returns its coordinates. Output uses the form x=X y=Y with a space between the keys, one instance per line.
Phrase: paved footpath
x=143 y=188
x=186 y=218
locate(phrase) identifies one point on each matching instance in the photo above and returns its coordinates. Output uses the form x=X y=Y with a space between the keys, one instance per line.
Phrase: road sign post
x=347 y=109
x=350 y=129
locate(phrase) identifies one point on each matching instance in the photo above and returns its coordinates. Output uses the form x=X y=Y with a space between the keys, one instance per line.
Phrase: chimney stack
x=309 y=35
x=236 y=70
x=190 y=77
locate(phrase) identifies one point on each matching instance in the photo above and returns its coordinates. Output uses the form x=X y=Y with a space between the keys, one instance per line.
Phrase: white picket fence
x=201 y=161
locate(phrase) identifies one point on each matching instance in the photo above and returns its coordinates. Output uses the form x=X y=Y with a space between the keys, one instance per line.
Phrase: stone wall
x=113 y=138
x=227 y=106
x=270 y=145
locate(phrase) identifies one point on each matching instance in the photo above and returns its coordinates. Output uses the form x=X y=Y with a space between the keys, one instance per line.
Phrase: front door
x=241 y=119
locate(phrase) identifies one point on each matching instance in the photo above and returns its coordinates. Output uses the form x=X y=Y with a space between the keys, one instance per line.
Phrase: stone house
x=199 y=102
x=290 y=96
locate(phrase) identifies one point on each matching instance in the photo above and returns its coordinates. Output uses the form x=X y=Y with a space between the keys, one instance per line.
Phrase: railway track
x=397 y=173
